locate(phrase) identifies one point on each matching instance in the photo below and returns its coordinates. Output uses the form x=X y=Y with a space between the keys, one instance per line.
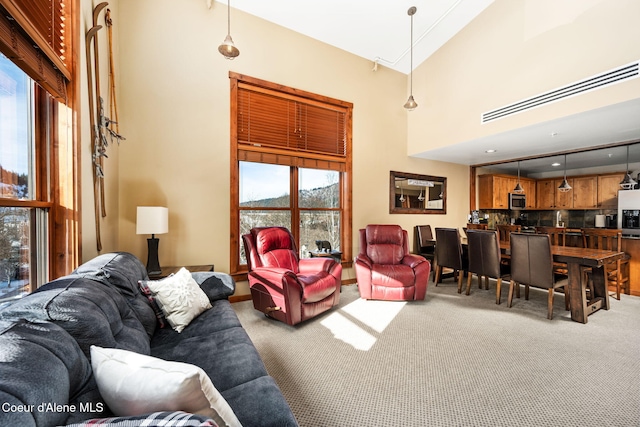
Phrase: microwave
x=517 y=201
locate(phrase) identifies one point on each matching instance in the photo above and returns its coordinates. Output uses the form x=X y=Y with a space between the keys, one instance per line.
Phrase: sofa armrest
x=215 y=285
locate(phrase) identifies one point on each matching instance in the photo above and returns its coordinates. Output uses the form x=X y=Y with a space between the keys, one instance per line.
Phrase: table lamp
x=152 y=220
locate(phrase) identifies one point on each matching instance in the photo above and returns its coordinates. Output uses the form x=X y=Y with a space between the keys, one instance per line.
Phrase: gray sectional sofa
x=45 y=338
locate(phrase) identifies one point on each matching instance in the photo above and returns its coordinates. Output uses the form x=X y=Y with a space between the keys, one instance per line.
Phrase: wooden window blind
x=34 y=35
x=267 y=118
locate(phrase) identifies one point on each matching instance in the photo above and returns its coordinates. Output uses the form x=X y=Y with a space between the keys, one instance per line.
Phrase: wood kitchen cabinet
x=494 y=191
x=608 y=186
x=529 y=186
x=546 y=193
x=564 y=199
x=585 y=192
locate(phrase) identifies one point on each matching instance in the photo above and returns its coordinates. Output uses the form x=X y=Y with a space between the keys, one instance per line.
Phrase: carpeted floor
x=455 y=360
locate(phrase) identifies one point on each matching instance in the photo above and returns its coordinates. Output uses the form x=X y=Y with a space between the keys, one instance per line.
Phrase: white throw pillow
x=135 y=384
x=180 y=298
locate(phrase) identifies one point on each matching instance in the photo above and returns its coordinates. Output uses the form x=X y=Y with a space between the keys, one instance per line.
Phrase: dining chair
x=532 y=265
x=449 y=254
x=558 y=238
x=471 y=226
x=617 y=274
x=504 y=234
x=425 y=244
x=504 y=231
x=484 y=259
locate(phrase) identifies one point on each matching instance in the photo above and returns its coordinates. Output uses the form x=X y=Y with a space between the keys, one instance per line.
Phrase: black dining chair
x=484 y=259
x=449 y=254
x=532 y=265
x=425 y=244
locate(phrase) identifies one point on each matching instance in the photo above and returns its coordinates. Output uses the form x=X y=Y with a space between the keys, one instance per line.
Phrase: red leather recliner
x=385 y=269
x=283 y=286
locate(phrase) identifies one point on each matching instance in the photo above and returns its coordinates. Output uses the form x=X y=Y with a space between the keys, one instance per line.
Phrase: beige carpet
x=455 y=360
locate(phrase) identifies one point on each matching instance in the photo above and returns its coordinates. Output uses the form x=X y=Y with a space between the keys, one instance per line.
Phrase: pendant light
x=411 y=104
x=564 y=187
x=227 y=48
x=518 y=188
x=627 y=183
x=421 y=197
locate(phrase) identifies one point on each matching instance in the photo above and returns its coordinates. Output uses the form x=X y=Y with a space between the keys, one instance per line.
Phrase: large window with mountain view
x=291 y=166
x=39 y=221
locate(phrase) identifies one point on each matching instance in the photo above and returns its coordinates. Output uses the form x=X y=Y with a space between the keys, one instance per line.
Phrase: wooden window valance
x=33 y=35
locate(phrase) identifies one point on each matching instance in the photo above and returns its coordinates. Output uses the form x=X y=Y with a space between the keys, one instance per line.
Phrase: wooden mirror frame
x=438 y=180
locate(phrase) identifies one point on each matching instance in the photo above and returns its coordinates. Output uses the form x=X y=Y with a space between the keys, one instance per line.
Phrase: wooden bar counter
x=631 y=246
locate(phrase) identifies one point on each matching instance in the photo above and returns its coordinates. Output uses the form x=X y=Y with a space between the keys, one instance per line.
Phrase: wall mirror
x=417 y=194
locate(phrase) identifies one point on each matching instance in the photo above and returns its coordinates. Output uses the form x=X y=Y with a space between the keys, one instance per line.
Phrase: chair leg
x=438 y=274
x=479 y=282
x=618 y=280
x=460 y=276
x=567 y=301
x=469 y=276
x=512 y=284
x=550 y=305
x=498 y=290
x=486 y=282
x=526 y=292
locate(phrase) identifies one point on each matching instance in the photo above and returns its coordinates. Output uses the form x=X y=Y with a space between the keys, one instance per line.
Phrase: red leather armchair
x=283 y=286
x=385 y=269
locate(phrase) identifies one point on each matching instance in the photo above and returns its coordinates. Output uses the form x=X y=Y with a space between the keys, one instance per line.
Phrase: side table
x=167 y=271
x=333 y=254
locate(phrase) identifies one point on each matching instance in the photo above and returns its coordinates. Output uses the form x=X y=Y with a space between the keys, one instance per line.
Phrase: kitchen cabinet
x=529 y=186
x=585 y=194
x=494 y=191
x=608 y=186
x=564 y=199
x=546 y=193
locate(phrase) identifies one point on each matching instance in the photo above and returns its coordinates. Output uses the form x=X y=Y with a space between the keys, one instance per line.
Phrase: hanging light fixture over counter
x=411 y=104
x=627 y=183
x=227 y=48
x=518 y=188
x=564 y=186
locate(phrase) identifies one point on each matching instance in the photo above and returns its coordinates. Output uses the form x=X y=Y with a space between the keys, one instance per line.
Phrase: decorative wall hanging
x=101 y=133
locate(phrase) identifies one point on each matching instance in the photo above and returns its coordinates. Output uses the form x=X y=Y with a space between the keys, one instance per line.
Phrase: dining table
x=577 y=259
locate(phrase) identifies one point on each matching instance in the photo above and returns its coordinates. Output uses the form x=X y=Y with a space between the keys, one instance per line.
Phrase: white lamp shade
x=152 y=220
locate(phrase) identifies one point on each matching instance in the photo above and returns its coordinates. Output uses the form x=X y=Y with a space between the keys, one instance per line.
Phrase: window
x=18 y=165
x=291 y=165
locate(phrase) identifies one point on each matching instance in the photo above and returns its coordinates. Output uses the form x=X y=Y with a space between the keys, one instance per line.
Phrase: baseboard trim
x=239 y=298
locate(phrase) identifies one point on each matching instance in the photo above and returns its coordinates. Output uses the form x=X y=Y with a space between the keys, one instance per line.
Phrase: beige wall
x=517 y=49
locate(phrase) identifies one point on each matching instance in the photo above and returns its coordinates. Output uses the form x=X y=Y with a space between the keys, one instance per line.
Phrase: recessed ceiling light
x=491 y=151
x=556 y=164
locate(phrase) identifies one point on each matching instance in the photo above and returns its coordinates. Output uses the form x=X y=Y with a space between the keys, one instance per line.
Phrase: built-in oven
x=517 y=201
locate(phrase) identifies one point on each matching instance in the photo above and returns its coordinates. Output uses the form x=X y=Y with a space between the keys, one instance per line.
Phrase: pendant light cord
x=411 y=58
